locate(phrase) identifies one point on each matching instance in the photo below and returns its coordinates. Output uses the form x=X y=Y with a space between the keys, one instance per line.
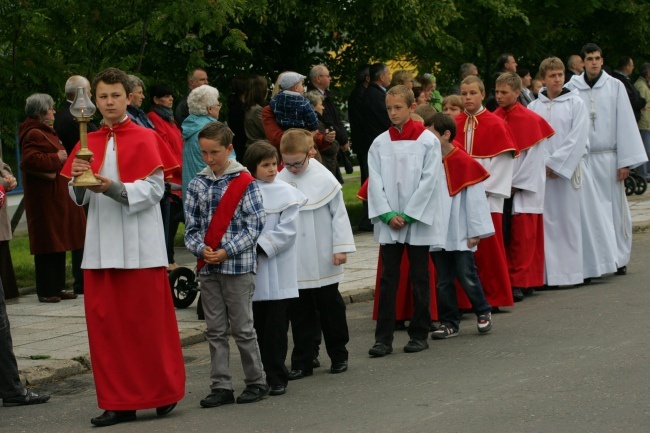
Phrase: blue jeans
x=644 y=169
x=449 y=266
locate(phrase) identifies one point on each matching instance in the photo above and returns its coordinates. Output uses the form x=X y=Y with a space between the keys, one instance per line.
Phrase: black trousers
x=50 y=273
x=333 y=322
x=10 y=385
x=176 y=217
x=77 y=272
x=391 y=256
x=271 y=321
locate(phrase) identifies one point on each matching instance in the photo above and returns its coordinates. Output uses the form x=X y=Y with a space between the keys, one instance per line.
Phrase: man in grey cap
x=290 y=107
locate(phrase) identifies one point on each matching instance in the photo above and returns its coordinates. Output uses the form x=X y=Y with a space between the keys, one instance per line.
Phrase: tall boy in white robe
x=576 y=238
x=324 y=240
x=615 y=145
x=404 y=203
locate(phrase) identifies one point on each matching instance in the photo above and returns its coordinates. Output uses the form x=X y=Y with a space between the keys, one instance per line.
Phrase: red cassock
x=134 y=342
x=404 y=300
x=491 y=138
x=525 y=252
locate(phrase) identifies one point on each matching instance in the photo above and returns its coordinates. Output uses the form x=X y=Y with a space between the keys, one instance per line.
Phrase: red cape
x=363 y=191
x=140 y=151
x=410 y=131
x=462 y=171
x=527 y=127
x=491 y=135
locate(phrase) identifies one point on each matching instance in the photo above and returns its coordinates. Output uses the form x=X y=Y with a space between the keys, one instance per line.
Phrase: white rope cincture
x=625 y=210
x=576 y=179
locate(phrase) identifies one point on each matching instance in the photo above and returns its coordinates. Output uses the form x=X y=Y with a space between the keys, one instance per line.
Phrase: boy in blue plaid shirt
x=290 y=108
x=227 y=282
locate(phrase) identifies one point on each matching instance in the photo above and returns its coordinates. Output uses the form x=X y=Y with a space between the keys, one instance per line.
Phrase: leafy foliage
x=42 y=43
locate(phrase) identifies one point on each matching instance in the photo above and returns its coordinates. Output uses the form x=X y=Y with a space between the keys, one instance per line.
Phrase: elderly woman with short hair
x=134 y=109
x=55 y=224
x=203 y=104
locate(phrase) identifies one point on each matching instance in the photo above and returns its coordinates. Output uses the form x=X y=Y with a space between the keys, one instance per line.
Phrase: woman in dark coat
x=55 y=224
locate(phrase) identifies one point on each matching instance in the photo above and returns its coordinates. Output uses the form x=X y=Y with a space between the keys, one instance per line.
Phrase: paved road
x=572 y=360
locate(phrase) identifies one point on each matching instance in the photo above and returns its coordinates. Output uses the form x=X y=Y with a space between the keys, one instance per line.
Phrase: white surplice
x=124 y=236
x=277 y=275
x=615 y=142
x=466 y=215
x=404 y=177
x=323 y=228
x=576 y=244
x=529 y=176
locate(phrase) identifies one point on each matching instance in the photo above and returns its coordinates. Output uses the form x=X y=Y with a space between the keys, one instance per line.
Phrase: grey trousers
x=229 y=298
x=10 y=385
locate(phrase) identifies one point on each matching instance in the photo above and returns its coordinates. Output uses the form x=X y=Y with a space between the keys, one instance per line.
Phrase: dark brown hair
x=257 y=152
x=218 y=132
x=112 y=76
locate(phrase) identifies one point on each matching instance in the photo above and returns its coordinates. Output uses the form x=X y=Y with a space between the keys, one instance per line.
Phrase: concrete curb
x=44 y=371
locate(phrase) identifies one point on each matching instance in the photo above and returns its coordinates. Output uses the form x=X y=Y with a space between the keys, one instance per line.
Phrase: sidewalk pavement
x=51 y=342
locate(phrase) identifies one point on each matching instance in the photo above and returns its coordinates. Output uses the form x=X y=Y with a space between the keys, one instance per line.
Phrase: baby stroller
x=635 y=184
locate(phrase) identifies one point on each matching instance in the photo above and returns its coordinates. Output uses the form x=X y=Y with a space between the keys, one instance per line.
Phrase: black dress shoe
x=339 y=367
x=49 y=299
x=414 y=345
x=164 y=410
x=253 y=393
x=278 y=390
x=315 y=363
x=25 y=399
x=517 y=294
x=530 y=291
x=67 y=295
x=621 y=271
x=298 y=374
x=112 y=417
x=380 y=349
x=218 y=397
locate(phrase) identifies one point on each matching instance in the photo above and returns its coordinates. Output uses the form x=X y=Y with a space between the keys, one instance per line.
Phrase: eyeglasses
x=218 y=105
x=297 y=164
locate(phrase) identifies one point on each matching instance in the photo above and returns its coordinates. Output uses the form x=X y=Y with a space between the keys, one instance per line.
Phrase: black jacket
x=355 y=113
x=374 y=115
x=331 y=117
x=638 y=103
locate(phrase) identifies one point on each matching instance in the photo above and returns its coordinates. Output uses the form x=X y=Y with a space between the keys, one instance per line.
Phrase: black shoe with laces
x=218 y=397
x=253 y=393
x=380 y=349
x=414 y=345
x=27 y=398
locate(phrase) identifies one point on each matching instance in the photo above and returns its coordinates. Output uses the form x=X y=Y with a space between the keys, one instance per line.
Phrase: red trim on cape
x=363 y=191
x=527 y=127
x=462 y=171
x=410 y=131
x=2 y=196
x=491 y=135
x=139 y=152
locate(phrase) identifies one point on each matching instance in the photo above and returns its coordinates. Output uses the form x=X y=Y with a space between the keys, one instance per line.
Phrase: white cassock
x=576 y=244
x=404 y=177
x=324 y=227
x=615 y=142
x=124 y=236
x=277 y=275
x=465 y=215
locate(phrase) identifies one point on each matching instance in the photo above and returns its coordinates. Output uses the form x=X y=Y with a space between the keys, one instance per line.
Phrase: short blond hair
x=417 y=118
x=453 y=100
x=404 y=92
x=474 y=79
x=426 y=112
x=550 y=64
x=511 y=79
x=295 y=141
x=401 y=77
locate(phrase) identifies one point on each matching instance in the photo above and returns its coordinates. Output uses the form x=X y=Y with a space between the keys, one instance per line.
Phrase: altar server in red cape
x=525 y=251
x=467 y=219
x=487 y=139
x=134 y=343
